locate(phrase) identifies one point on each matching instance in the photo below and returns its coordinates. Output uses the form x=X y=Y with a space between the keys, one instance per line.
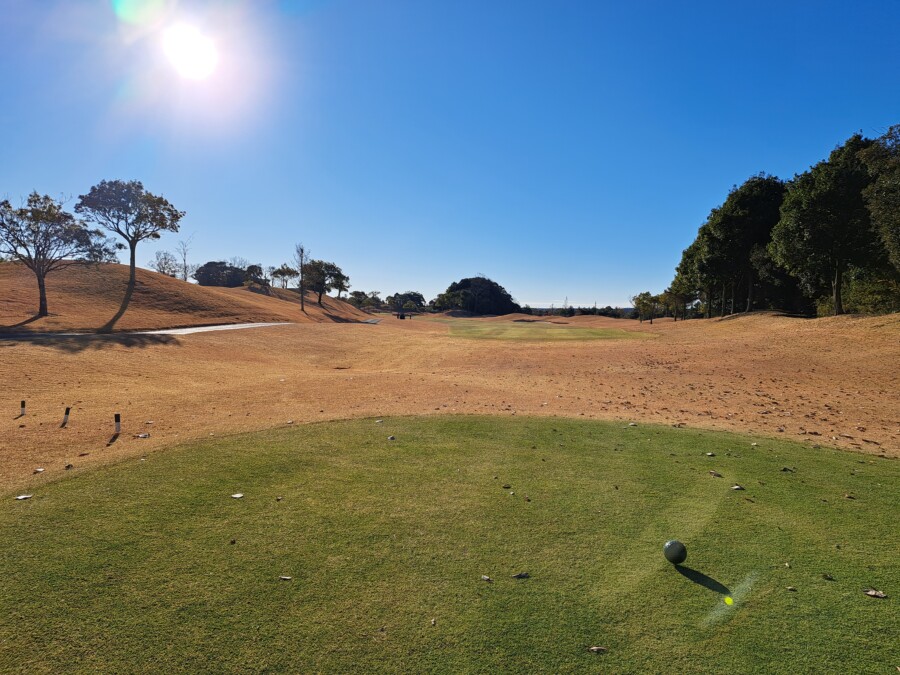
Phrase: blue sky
x=565 y=149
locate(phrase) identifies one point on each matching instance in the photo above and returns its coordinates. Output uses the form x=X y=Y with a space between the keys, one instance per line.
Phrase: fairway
x=537 y=331
x=150 y=565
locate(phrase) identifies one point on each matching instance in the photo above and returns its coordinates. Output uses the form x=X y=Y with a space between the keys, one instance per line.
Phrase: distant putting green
x=537 y=331
x=152 y=566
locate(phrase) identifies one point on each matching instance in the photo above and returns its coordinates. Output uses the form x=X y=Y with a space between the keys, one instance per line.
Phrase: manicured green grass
x=537 y=331
x=129 y=568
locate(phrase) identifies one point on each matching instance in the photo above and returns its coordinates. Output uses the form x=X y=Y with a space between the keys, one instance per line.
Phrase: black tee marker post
x=115 y=436
x=65 y=419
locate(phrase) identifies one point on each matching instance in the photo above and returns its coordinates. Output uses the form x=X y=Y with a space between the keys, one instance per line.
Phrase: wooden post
x=118 y=423
x=66 y=418
x=23 y=409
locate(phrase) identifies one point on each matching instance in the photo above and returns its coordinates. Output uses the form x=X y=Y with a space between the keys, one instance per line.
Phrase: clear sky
x=562 y=148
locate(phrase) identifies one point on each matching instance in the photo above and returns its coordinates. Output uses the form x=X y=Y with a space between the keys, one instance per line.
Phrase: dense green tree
x=883 y=194
x=478 y=295
x=45 y=237
x=741 y=225
x=357 y=298
x=321 y=276
x=644 y=305
x=284 y=274
x=219 y=273
x=255 y=274
x=399 y=300
x=825 y=226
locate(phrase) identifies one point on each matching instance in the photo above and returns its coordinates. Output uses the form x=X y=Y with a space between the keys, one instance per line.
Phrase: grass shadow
x=109 y=325
x=703 y=580
x=74 y=343
x=24 y=322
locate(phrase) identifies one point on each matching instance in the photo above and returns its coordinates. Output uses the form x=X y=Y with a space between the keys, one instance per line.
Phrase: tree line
x=826 y=241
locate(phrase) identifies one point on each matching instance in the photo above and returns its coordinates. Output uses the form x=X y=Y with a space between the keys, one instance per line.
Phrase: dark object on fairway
x=675 y=552
x=521 y=575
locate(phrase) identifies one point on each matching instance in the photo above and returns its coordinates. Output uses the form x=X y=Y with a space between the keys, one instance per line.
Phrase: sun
x=191 y=52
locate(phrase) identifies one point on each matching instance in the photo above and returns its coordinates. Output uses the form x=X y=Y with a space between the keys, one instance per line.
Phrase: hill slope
x=84 y=298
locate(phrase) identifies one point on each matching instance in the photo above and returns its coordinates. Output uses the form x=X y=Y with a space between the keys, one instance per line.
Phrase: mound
x=84 y=298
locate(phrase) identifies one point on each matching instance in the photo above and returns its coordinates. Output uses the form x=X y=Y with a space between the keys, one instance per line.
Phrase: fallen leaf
x=142 y=435
x=38 y=470
x=848 y=496
x=597 y=650
x=737 y=487
x=391 y=438
x=21 y=497
x=827 y=577
x=521 y=575
x=710 y=454
x=485 y=577
x=715 y=474
x=792 y=589
x=434 y=622
x=506 y=486
x=285 y=578
x=872 y=593
x=237 y=495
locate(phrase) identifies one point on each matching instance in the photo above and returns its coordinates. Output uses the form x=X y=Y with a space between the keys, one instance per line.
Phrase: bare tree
x=301 y=260
x=186 y=270
x=165 y=263
x=239 y=262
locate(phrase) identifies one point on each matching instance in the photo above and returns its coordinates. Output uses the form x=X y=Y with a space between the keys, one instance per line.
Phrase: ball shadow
x=703 y=580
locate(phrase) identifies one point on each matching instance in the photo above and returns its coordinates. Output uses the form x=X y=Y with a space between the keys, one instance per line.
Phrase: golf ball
x=675 y=552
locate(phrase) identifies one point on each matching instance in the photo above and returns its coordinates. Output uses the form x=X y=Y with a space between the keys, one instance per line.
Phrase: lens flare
x=193 y=54
x=139 y=11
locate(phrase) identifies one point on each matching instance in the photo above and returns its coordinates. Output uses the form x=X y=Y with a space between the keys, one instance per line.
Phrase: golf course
x=331 y=495
x=449 y=337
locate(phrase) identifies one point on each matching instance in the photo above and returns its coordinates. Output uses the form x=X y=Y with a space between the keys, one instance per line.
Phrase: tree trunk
x=709 y=302
x=836 y=288
x=732 y=296
x=302 y=293
x=131 y=275
x=42 y=293
x=723 y=299
x=107 y=328
x=320 y=298
x=749 y=291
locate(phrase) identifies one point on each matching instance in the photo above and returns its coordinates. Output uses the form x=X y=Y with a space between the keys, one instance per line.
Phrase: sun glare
x=191 y=52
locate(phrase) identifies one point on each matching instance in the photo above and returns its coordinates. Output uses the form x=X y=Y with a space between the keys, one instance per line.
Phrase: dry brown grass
x=826 y=381
x=84 y=298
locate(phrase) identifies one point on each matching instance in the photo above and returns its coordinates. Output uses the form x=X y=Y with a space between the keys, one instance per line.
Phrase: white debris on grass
x=21 y=497
x=237 y=495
